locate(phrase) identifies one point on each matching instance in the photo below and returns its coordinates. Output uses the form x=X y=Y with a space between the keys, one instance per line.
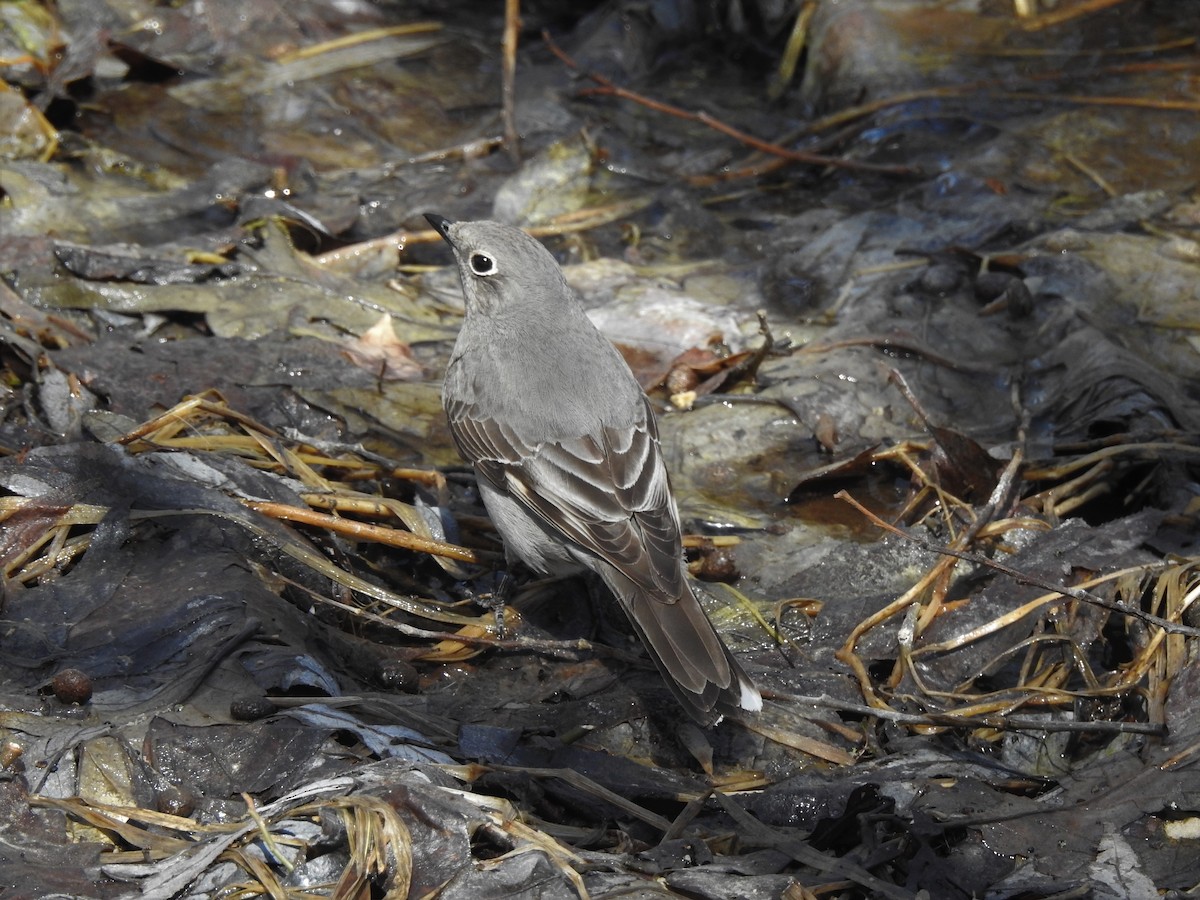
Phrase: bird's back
x=553 y=375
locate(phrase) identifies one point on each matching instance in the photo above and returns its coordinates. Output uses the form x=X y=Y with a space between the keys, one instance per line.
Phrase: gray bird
x=565 y=448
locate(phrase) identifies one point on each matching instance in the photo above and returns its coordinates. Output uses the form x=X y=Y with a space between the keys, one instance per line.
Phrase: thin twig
x=1000 y=723
x=392 y=537
x=607 y=88
x=987 y=89
x=1059 y=16
x=512 y=24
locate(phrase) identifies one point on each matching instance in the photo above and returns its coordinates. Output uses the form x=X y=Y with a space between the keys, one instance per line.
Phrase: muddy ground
x=914 y=287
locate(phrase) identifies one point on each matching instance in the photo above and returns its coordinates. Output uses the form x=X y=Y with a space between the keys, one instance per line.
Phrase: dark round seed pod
x=72 y=686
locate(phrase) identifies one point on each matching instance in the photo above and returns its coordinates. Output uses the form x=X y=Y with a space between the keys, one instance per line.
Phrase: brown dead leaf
x=380 y=352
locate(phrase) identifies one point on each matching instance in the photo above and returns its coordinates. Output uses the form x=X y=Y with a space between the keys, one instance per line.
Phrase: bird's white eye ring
x=482 y=264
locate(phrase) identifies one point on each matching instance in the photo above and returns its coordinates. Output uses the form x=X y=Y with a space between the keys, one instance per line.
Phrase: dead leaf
x=379 y=351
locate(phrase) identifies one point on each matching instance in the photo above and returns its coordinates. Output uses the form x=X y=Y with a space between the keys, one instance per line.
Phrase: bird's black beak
x=441 y=225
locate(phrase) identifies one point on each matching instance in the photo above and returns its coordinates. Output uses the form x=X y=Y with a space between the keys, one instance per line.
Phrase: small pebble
x=717 y=564
x=682 y=378
x=398 y=675
x=940 y=278
x=990 y=285
x=250 y=708
x=175 y=801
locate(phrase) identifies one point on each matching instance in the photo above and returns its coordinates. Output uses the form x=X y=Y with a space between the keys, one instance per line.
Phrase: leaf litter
x=960 y=546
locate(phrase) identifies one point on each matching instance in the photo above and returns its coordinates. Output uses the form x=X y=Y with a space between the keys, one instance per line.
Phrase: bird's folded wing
x=607 y=493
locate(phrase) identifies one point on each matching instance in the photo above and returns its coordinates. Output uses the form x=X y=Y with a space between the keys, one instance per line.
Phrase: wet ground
x=919 y=313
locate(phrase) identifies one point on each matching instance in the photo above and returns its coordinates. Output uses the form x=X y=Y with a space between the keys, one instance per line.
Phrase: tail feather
x=694 y=661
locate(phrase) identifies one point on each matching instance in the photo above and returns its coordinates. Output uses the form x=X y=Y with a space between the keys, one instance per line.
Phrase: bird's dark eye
x=481 y=264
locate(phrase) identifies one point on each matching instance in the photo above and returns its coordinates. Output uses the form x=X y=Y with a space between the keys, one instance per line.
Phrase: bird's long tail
x=693 y=659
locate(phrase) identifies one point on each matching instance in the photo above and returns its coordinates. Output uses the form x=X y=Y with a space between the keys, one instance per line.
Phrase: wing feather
x=608 y=493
